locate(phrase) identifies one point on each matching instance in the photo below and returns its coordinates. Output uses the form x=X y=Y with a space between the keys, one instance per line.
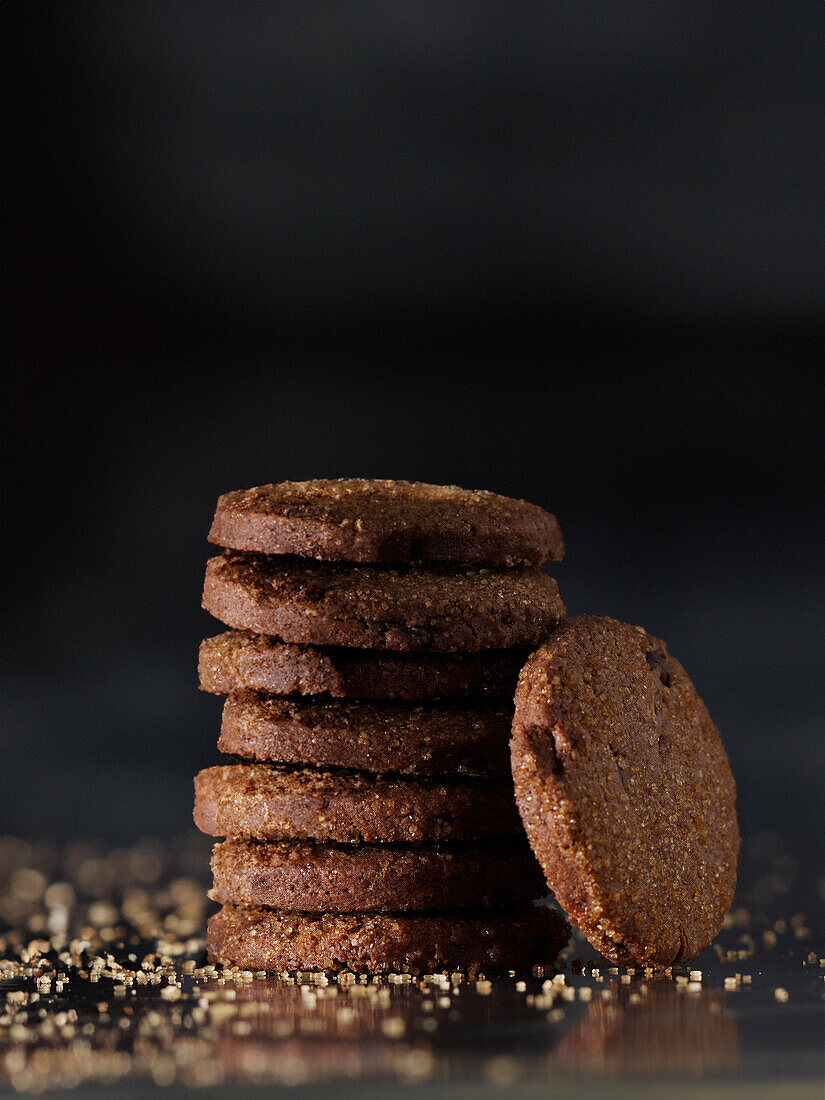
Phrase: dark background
x=571 y=252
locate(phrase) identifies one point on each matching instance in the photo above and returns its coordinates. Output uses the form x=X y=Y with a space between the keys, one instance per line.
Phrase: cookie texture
x=272 y=802
x=625 y=792
x=359 y=520
x=275 y=939
x=404 y=608
x=375 y=877
x=238 y=660
x=377 y=737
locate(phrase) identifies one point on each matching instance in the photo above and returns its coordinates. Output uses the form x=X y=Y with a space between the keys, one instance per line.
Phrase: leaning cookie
x=404 y=608
x=347 y=878
x=625 y=792
x=238 y=660
x=377 y=737
x=273 y=802
x=359 y=520
x=274 y=939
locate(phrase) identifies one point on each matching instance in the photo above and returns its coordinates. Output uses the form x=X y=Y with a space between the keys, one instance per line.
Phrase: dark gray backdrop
x=572 y=252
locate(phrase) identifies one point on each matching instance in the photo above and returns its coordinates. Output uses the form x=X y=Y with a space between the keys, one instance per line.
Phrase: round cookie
x=237 y=660
x=272 y=802
x=403 y=608
x=625 y=792
x=346 y=878
x=275 y=939
x=356 y=520
x=377 y=737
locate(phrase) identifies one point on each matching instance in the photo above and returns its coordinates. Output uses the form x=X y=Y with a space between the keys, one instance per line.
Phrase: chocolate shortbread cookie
x=238 y=660
x=272 y=802
x=404 y=608
x=625 y=792
x=375 y=877
x=358 y=520
x=376 y=737
x=276 y=939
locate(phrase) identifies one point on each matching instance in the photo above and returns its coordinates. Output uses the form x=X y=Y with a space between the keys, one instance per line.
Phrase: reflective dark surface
x=567 y=252
x=104 y=982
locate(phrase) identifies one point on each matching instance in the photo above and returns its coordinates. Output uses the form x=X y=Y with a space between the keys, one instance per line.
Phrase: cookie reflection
x=311 y=1033
x=650 y=1029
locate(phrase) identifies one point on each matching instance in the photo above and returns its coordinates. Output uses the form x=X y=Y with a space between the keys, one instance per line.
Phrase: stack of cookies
x=377 y=632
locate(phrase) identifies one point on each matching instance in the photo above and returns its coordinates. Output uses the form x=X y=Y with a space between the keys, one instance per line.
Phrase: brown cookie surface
x=404 y=608
x=376 y=737
x=375 y=877
x=276 y=939
x=272 y=802
x=625 y=792
x=238 y=660
x=357 y=520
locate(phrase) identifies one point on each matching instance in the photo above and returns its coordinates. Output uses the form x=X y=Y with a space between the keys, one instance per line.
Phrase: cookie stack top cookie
x=379 y=521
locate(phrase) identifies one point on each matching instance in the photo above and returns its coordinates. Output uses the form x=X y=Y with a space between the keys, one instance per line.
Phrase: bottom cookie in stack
x=276 y=939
